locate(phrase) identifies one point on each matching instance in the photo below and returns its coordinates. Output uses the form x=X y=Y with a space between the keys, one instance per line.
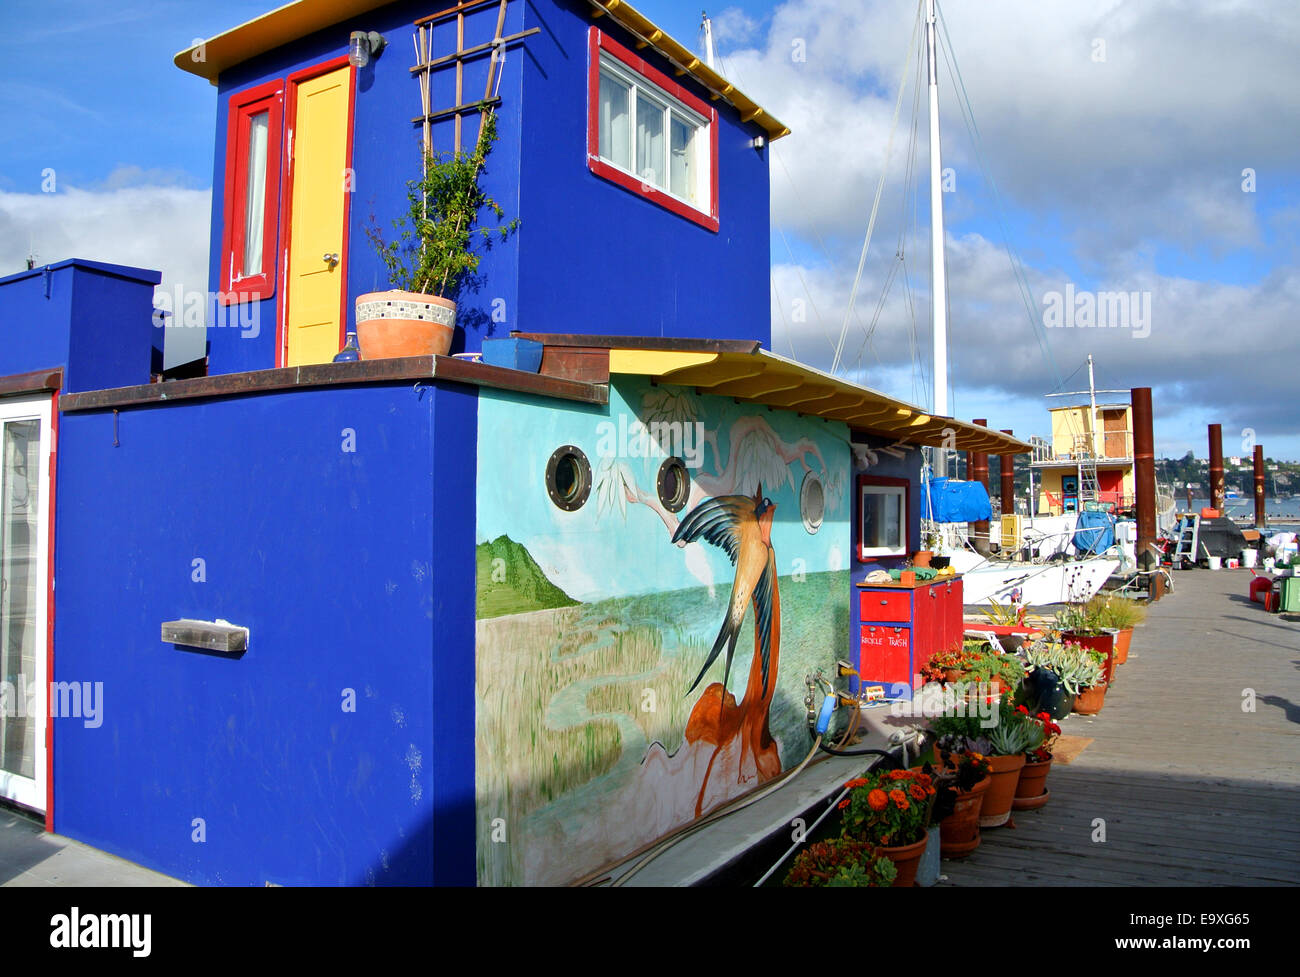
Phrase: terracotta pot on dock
x=906 y=859
x=959 y=832
x=1031 y=791
x=1090 y=700
x=1122 y=641
x=921 y=558
x=997 y=799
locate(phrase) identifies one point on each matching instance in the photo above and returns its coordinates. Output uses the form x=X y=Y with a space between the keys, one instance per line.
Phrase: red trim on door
x=49 y=612
x=243 y=106
x=599 y=41
x=286 y=212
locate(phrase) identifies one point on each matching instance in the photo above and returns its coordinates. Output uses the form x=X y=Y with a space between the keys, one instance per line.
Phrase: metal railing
x=1044 y=452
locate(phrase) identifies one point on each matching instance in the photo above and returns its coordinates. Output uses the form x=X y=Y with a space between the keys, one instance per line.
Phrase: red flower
x=844 y=803
x=917 y=791
x=899 y=775
x=897 y=796
x=877 y=800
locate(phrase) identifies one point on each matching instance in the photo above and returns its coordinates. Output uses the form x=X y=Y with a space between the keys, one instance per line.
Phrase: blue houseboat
x=424 y=619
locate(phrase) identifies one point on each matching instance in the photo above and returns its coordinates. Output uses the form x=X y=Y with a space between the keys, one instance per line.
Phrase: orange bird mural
x=741 y=527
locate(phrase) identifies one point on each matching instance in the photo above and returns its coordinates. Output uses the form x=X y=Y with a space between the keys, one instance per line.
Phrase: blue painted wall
x=91 y=318
x=588 y=256
x=595 y=258
x=348 y=578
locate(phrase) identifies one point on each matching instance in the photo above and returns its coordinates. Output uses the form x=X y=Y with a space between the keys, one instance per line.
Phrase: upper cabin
x=639 y=176
x=1087 y=441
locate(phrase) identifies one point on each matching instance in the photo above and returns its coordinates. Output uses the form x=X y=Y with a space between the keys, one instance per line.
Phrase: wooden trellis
x=426 y=65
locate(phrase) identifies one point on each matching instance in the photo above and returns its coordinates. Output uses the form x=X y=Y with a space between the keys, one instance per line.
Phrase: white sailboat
x=1052 y=573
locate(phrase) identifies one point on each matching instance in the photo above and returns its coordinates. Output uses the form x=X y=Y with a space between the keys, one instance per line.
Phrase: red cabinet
x=900 y=628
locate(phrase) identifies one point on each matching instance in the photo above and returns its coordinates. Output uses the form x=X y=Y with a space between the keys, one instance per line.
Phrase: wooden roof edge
x=658 y=343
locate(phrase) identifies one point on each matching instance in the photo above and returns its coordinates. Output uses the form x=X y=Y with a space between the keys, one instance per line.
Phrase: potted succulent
x=1083 y=624
x=1031 y=791
x=1122 y=615
x=891 y=810
x=840 y=862
x=1079 y=671
x=429 y=258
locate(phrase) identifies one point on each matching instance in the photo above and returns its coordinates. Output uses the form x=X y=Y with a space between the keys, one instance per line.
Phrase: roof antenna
x=706 y=26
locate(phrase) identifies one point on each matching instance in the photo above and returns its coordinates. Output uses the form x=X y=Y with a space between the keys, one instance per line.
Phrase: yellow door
x=319 y=160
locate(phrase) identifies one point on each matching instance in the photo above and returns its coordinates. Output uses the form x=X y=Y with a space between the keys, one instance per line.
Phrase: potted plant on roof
x=890 y=809
x=431 y=255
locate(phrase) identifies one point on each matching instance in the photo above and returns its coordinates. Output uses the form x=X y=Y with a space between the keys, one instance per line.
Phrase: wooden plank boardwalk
x=1192 y=789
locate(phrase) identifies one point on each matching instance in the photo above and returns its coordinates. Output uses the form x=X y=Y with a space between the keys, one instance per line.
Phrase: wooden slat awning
x=747 y=372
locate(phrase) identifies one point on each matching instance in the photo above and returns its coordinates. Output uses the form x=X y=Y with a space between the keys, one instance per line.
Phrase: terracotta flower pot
x=906 y=859
x=1031 y=791
x=997 y=799
x=959 y=832
x=1122 y=641
x=1090 y=700
x=404 y=324
x=953 y=675
x=921 y=558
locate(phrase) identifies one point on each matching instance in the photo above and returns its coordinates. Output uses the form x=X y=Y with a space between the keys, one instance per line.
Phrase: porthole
x=812 y=502
x=674 y=485
x=568 y=477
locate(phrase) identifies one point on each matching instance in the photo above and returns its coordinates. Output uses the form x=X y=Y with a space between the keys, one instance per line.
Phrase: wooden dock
x=1189 y=787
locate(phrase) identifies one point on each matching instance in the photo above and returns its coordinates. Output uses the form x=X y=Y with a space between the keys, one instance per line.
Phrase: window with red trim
x=650 y=135
x=252 y=193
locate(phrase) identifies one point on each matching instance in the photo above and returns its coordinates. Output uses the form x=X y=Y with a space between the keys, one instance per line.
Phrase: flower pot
x=921 y=558
x=1090 y=700
x=906 y=859
x=404 y=324
x=1044 y=692
x=1031 y=790
x=1104 y=643
x=953 y=675
x=959 y=832
x=996 y=810
x=1122 y=641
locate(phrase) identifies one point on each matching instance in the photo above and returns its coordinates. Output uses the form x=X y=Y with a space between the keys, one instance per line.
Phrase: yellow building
x=1088 y=462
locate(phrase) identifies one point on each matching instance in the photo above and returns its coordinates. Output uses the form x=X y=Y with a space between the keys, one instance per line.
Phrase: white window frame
x=866 y=552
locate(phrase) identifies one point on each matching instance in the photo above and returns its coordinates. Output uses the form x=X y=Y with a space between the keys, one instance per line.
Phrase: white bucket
x=1248 y=558
x=1215 y=562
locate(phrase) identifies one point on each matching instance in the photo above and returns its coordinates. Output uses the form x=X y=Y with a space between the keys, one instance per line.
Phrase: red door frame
x=286 y=210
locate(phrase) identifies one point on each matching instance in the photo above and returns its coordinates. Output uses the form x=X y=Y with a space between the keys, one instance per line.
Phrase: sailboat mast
x=939 y=283
x=1092 y=399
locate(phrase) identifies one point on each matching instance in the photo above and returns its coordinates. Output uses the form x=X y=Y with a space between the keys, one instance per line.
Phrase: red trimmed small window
x=650 y=135
x=248 y=236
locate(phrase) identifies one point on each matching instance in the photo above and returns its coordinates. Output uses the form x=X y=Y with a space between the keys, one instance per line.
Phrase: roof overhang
x=747 y=372
x=687 y=62
x=210 y=58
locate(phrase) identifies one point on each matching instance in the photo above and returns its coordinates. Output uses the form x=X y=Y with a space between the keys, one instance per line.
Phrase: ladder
x=1089 y=490
x=1189 y=541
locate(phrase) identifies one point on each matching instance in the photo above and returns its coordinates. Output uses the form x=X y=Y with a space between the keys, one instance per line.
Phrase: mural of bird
x=742 y=527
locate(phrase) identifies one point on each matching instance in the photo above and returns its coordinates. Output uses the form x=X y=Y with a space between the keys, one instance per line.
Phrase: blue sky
x=1118 y=173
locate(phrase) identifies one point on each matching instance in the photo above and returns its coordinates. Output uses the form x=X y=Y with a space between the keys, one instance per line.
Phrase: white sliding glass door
x=24 y=590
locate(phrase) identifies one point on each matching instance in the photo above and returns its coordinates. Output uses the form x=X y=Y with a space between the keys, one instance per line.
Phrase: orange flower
x=917 y=791
x=877 y=800
x=844 y=803
x=897 y=795
x=924 y=779
x=856 y=782
x=902 y=805
x=899 y=775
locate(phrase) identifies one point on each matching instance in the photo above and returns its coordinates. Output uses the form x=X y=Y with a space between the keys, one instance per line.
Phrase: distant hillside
x=524 y=587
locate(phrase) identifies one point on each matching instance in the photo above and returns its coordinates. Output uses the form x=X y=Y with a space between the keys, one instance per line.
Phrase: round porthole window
x=568 y=477
x=674 y=485
x=812 y=502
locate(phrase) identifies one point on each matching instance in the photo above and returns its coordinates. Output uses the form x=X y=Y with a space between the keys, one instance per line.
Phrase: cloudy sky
x=1149 y=147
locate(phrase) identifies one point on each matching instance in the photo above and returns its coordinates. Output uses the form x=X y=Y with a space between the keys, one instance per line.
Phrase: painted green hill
x=514 y=585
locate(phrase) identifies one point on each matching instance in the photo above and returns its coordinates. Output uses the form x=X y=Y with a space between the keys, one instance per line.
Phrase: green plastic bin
x=1290 y=593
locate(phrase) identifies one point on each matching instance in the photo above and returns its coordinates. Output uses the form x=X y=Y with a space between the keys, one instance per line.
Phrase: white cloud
x=164 y=228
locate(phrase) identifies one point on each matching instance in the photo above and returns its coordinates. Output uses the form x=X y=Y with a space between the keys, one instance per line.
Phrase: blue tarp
x=950 y=501
x=1094 y=533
